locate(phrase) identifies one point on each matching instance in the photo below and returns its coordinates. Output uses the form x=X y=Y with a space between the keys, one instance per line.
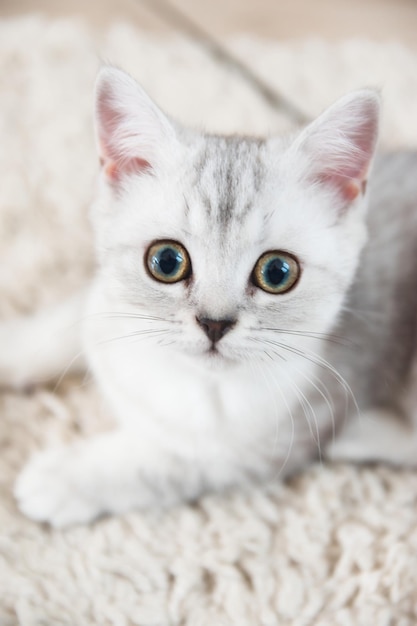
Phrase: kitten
x=234 y=322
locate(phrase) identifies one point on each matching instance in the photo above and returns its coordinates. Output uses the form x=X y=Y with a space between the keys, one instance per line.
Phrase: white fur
x=189 y=421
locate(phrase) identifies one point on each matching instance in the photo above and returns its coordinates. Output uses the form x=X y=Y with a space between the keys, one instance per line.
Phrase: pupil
x=168 y=261
x=276 y=271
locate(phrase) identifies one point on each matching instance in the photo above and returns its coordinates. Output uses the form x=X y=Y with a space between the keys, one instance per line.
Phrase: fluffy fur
x=186 y=414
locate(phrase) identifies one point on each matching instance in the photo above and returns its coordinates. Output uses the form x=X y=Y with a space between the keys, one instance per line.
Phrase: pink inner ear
x=114 y=170
x=117 y=142
x=350 y=175
x=348 y=187
x=344 y=162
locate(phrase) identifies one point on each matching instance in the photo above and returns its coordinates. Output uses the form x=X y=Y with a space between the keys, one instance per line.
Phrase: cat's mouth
x=215 y=356
x=214 y=353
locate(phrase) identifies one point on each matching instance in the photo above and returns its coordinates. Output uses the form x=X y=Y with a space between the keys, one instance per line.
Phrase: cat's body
x=219 y=378
x=379 y=321
x=380 y=308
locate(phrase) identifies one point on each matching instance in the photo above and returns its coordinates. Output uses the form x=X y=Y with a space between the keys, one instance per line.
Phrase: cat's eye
x=168 y=261
x=276 y=272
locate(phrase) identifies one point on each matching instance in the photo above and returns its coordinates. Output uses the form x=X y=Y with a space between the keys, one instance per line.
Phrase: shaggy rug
x=335 y=546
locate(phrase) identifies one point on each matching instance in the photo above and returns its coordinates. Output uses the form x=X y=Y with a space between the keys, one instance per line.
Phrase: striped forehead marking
x=229 y=173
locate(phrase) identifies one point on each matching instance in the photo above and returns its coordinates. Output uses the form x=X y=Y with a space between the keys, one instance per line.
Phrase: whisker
x=136 y=333
x=305 y=405
x=159 y=342
x=330 y=338
x=115 y=315
x=363 y=313
x=65 y=370
x=87 y=378
x=273 y=395
x=276 y=353
x=308 y=410
x=123 y=315
x=327 y=399
x=292 y=421
x=313 y=358
x=320 y=362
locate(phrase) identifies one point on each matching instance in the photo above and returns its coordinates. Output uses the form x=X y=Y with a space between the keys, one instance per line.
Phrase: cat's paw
x=50 y=489
x=378 y=435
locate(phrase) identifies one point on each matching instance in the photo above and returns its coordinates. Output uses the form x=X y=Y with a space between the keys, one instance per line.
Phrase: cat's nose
x=215 y=329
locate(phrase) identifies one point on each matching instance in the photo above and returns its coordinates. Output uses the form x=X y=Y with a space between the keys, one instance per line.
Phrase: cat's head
x=229 y=245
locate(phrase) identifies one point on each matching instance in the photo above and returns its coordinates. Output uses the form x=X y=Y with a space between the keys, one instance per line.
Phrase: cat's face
x=231 y=247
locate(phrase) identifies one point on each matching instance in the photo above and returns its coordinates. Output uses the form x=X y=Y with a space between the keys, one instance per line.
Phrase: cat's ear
x=339 y=145
x=133 y=134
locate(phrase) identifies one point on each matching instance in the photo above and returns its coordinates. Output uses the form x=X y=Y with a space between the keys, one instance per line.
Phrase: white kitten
x=223 y=264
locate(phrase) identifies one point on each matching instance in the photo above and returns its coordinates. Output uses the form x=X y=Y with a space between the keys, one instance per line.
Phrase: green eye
x=276 y=272
x=168 y=261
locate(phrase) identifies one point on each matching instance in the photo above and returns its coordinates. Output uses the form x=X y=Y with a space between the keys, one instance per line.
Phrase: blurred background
x=332 y=20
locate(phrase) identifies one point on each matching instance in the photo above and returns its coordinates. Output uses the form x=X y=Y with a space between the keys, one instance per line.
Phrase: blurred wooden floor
x=380 y=20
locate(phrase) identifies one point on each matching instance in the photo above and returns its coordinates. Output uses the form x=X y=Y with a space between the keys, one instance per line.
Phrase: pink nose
x=215 y=329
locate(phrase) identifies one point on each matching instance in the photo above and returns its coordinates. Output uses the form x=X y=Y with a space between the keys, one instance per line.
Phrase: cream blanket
x=335 y=546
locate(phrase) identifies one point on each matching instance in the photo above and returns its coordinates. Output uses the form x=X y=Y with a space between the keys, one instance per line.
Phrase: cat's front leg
x=110 y=473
